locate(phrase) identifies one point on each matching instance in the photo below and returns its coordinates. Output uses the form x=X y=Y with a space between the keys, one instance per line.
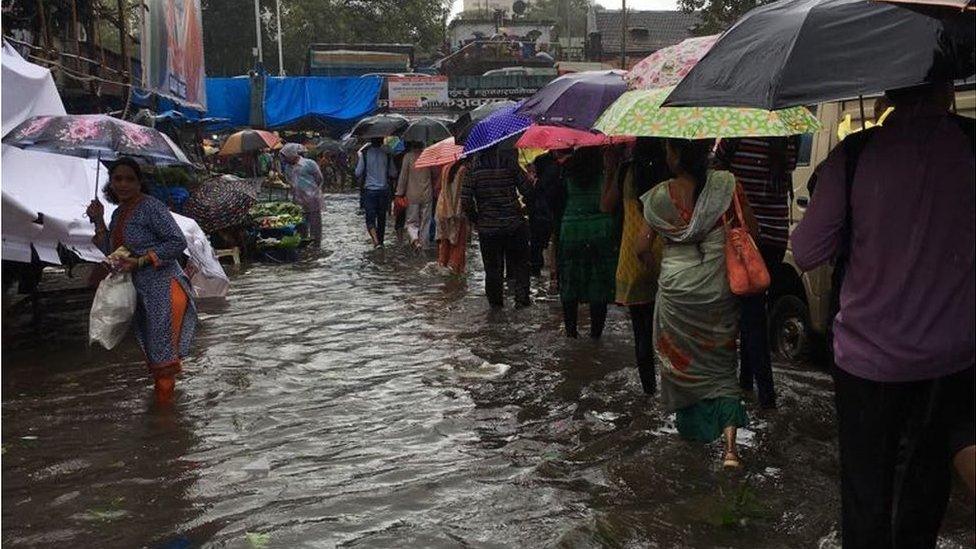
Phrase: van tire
x=789 y=329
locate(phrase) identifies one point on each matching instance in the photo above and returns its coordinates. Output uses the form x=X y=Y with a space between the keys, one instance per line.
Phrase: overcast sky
x=615 y=5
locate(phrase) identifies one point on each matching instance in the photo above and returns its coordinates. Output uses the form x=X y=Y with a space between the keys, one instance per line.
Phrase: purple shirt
x=908 y=299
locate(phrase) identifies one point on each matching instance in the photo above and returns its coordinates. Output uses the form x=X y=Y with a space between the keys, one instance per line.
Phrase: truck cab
x=800 y=301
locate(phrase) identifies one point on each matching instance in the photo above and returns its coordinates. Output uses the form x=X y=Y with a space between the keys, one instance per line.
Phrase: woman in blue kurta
x=165 y=317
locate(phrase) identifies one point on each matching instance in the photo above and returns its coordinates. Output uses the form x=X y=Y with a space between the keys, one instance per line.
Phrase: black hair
x=650 y=164
x=376 y=141
x=586 y=166
x=693 y=159
x=131 y=163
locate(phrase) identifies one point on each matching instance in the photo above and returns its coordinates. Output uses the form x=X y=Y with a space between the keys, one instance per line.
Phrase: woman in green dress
x=587 y=252
x=696 y=316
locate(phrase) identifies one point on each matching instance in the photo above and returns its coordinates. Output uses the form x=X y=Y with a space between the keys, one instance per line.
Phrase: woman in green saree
x=696 y=316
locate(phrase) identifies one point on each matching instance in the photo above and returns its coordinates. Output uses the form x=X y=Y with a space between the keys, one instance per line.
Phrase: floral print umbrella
x=667 y=66
x=94 y=136
x=639 y=113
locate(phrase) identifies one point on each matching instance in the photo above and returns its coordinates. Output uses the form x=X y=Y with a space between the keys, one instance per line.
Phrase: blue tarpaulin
x=336 y=103
x=229 y=98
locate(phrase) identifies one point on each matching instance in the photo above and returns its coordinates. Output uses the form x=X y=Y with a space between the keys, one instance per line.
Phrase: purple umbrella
x=498 y=127
x=575 y=100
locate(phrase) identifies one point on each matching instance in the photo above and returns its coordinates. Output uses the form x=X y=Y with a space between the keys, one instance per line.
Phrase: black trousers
x=642 y=321
x=897 y=441
x=506 y=252
x=755 y=364
x=541 y=230
x=598 y=318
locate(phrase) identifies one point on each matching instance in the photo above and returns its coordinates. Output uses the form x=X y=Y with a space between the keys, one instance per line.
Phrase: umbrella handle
x=98 y=168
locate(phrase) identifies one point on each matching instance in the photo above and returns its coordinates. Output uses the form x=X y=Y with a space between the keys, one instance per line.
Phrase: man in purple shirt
x=904 y=334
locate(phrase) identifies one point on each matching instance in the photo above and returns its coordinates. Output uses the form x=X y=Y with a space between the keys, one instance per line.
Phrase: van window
x=805 y=149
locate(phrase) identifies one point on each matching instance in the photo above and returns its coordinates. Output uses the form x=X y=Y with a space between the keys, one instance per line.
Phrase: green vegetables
x=268 y=209
x=276 y=215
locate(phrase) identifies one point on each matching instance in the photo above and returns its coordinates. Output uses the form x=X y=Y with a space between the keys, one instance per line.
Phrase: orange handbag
x=746 y=268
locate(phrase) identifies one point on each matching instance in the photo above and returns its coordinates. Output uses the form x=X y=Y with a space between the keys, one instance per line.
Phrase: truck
x=342 y=59
x=800 y=301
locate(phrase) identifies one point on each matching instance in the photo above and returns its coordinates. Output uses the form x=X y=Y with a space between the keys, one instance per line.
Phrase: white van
x=800 y=302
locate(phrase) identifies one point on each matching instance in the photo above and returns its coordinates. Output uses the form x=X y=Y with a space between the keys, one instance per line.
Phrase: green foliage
x=229 y=29
x=718 y=15
x=557 y=10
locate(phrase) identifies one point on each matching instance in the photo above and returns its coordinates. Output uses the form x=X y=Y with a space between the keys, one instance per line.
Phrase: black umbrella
x=462 y=126
x=380 y=125
x=426 y=131
x=327 y=144
x=803 y=52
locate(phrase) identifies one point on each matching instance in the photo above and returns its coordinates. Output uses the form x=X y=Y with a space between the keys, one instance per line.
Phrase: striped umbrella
x=439 y=154
x=249 y=141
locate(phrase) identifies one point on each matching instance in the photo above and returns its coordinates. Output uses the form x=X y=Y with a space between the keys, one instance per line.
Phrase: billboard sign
x=172 y=51
x=417 y=93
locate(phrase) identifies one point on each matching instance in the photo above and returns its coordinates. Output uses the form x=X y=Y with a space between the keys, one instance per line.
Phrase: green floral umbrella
x=639 y=113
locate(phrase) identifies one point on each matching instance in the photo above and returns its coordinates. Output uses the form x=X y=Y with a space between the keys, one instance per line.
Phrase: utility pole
x=569 y=35
x=257 y=30
x=281 y=62
x=623 y=34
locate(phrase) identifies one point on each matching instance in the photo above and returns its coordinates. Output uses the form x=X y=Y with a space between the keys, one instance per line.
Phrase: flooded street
x=363 y=399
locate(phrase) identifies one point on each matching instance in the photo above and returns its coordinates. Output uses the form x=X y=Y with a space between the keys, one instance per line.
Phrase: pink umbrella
x=667 y=66
x=440 y=153
x=559 y=137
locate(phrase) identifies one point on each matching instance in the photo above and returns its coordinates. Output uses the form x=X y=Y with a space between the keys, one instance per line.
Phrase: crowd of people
x=644 y=226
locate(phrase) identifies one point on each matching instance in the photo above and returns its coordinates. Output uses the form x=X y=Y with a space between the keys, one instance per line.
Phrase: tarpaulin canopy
x=317 y=101
x=230 y=98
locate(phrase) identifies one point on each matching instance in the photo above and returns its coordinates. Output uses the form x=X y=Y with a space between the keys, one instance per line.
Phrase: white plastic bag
x=112 y=310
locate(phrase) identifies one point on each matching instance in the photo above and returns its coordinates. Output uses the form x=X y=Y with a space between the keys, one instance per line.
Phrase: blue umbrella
x=498 y=127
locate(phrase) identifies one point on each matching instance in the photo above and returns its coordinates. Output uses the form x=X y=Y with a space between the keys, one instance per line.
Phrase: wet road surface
x=361 y=398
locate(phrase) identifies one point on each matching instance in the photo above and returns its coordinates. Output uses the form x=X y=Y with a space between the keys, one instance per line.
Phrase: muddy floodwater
x=361 y=398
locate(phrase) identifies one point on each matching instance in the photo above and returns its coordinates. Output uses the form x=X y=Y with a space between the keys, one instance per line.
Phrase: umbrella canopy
x=462 y=126
x=426 y=130
x=937 y=8
x=575 y=100
x=249 y=141
x=380 y=125
x=639 y=113
x=667 y=66
x=220 y=202
x=327 y=144
x=803 y=52
x=559 y=137
x=498 y=127
x=94 y=136
x=439 y=154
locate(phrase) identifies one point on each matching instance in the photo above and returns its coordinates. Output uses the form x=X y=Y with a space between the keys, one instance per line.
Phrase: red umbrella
x=560 y=137
x=440 y=153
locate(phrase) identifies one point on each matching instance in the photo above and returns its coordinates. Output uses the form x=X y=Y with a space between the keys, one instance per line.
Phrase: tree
x=229 y=29
x=562 y=11
x=718 y=15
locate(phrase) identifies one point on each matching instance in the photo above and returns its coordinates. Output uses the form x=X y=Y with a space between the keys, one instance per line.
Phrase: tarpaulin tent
x=315 y=101
x=230 y=98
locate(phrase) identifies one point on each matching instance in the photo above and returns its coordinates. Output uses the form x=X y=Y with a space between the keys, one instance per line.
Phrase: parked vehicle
x=800 y=302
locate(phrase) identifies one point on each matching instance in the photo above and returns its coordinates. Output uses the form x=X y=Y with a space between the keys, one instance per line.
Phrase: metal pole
x=257 y=29
x=281 y=62
x=623 y=34
x=864 y=121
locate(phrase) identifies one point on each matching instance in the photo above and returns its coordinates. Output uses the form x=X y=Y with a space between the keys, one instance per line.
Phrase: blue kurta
x=148 y=228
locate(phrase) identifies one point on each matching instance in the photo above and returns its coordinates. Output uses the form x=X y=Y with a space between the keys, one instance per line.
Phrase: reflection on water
x=361 y=398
